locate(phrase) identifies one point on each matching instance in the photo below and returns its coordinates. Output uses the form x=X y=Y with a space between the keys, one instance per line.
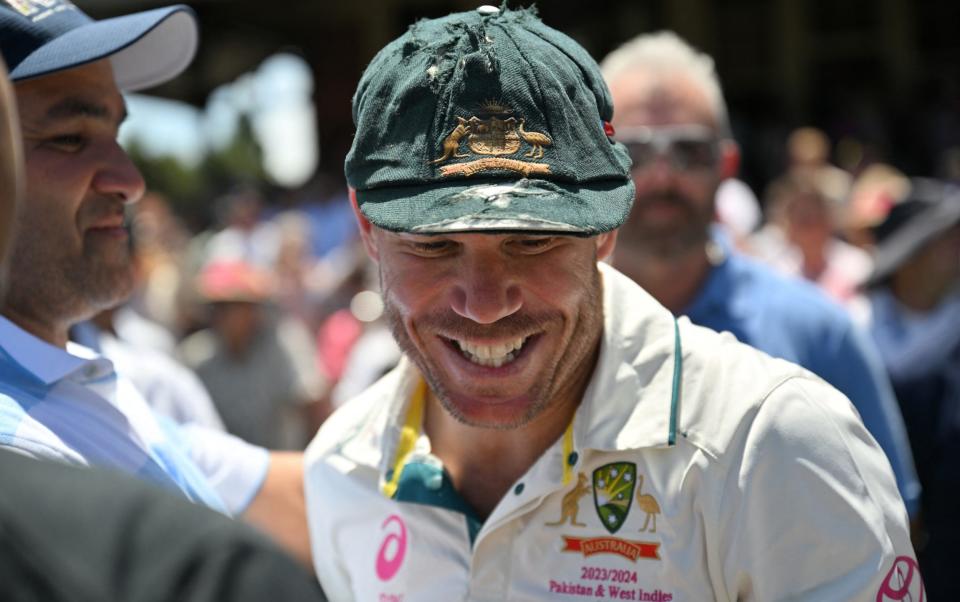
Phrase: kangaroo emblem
x=451 y=144
x=570 y=506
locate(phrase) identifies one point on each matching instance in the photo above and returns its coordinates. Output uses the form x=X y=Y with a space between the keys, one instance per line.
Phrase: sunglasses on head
x=684 y=147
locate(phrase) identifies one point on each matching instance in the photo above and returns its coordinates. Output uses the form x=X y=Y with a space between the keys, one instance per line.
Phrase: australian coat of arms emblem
x=492 y=136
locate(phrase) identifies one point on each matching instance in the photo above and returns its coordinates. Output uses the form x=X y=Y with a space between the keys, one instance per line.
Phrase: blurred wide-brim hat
x=147 y=48
x=930 y=209
x=487 y=120
x=229 y=281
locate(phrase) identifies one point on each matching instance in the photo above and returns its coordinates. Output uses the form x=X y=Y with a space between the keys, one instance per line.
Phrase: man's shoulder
x=726 y=384
x=356 y=429
x=342 y=463
x=22 y=432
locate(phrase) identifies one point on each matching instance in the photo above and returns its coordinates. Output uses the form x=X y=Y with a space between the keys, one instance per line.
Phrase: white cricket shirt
x=746 y=478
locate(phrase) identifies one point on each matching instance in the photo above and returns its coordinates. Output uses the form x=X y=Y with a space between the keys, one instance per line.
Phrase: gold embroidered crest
x=493 y=136
x=495 y=133
x=570 y=505
x=647 y=503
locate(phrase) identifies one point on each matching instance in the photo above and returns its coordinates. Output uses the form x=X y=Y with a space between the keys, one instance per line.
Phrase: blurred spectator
x=259 y=366
x=159 y=239
x=808 y=155
x=169 y=387
x=875 y=191
x=914 y=316
x=800 y=237
x=293 y=266
x=738 y=210
x=374 y=352
x=670 y=113
x=244 y=236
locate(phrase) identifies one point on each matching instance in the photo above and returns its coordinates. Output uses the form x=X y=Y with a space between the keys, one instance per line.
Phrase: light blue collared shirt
x=71 y=406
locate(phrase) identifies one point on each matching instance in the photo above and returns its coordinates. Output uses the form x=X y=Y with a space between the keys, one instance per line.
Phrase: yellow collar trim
x=567 y=452
x=409 y=434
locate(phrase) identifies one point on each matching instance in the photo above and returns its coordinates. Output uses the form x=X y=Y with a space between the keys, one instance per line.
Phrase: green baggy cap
x=487 y=120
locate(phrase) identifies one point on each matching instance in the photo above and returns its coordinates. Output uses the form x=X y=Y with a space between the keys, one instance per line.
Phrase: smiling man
x=70 y=259
x=553 y=433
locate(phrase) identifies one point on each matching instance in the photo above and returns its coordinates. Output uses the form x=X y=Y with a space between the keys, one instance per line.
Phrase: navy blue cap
x=39 y=37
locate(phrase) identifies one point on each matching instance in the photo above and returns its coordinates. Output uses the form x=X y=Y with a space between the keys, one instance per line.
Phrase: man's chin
x=491 y=412
x=109 y=287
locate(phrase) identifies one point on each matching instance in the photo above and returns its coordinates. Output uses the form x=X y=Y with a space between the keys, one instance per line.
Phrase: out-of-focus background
x=268 y=96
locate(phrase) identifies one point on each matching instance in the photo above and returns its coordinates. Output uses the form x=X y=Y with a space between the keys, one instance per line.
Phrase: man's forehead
x=87 y=91
x=654 y=97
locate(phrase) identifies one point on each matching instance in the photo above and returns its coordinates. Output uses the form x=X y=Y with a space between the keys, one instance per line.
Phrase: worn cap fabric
x=487 y=120
x=930 y=209
x=39 y=37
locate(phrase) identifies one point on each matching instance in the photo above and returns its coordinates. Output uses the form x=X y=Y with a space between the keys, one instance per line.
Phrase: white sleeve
x=809 y=508
x=234 y=468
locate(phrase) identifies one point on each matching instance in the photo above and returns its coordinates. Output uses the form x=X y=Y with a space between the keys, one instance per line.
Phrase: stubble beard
x=61 y=289
x=579 y=350
x=666 y=243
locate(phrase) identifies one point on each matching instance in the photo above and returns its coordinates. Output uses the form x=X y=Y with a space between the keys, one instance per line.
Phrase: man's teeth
x=491 y=355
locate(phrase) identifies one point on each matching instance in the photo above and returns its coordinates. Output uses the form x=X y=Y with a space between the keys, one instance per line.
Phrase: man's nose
x=118 y=177
x=485 y=291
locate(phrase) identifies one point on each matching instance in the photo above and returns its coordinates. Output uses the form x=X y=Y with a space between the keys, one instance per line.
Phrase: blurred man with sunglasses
x=670 y=113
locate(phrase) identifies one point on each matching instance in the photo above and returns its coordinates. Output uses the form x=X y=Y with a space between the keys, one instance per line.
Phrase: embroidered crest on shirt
x=570 y=506
x=613 y=486
x=647 y=503
x=495 y=131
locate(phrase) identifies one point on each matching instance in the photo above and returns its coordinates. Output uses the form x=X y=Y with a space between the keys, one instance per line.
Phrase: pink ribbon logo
x=393 y=549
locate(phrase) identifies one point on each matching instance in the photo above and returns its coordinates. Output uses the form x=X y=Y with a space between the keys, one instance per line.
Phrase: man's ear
x=605 y=244
x=729 y=159
x=366 y=228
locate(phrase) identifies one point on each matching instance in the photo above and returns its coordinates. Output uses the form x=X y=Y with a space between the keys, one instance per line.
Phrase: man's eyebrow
x=73 y=107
